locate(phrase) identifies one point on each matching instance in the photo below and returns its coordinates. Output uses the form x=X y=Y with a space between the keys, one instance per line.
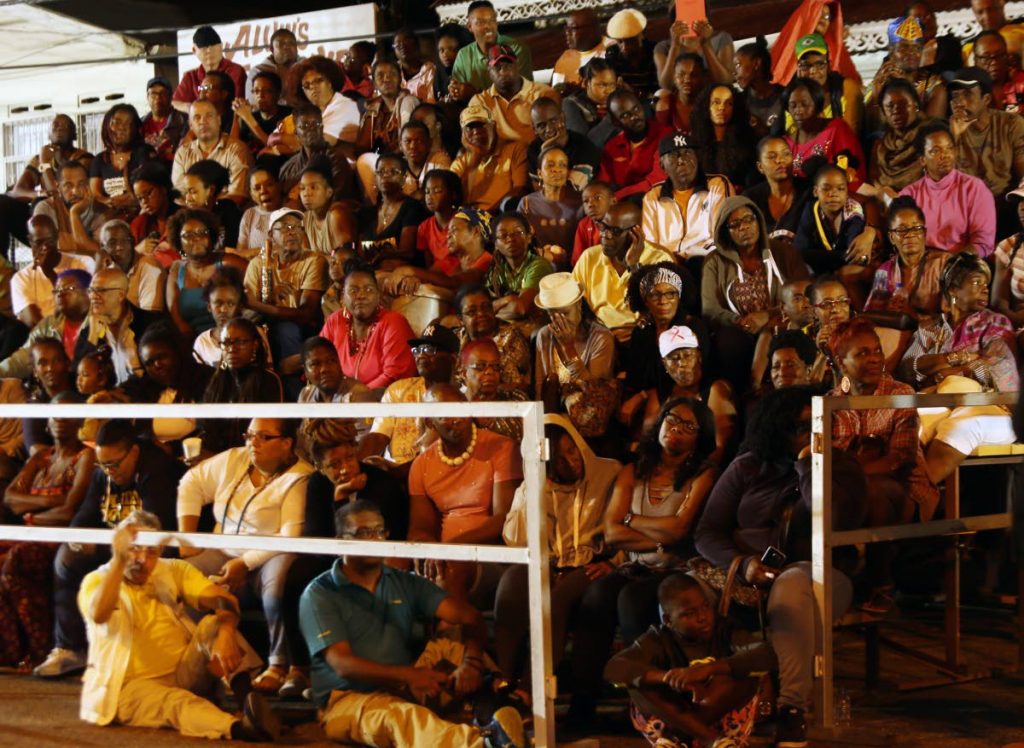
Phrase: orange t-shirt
x=463 y=494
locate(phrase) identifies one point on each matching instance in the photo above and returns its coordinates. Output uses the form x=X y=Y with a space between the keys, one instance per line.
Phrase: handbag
x=724 y=582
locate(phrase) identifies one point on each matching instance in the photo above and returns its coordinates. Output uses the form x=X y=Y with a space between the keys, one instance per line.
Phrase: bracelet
x=916 y=372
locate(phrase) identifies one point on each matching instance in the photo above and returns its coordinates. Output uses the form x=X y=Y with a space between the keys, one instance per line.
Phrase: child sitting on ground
x=694 y=679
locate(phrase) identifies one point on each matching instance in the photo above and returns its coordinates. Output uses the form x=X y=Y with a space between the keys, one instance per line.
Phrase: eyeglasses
x=657 y=296
x=740 y=223
x=425 y=350
x=613 y=231
x=96 y=290
x=313 y=83
x=283 y=228
x=236 y=342
x=367 y=533
x=829 y=304
x=675 y=422
x=906 y=231
x=510 y=235
x=389 y=172
x=191 y=236
x=112 y=465
x=481 y=367
x=258 y=438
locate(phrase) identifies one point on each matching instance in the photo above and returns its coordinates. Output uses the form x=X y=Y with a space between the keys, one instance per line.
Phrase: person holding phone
x=759 y=509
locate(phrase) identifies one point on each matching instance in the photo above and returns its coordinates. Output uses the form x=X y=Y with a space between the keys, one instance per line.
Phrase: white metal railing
x=534 y=555
x=824 y=539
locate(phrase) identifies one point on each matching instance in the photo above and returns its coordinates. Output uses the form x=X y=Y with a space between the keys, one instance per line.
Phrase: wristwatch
x=627 y=519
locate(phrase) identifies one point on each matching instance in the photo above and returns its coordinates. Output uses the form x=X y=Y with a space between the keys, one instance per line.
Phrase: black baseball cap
x=206 y=36
x=440 y=337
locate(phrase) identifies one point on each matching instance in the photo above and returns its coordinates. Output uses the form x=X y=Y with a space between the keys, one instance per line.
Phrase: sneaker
x=790 y=728
x=294 y=685
x=880 y=602
x=60 y=662
x=505 y=730
x=259 y=723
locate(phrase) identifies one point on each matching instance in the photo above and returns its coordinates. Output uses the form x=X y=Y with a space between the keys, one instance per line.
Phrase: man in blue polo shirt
x=357 y=620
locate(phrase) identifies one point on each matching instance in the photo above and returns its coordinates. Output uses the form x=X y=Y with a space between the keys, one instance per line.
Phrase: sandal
x=270 y=680
x=294 y=684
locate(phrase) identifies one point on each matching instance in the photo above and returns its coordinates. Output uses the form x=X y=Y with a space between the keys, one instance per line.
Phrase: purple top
x=958 y=210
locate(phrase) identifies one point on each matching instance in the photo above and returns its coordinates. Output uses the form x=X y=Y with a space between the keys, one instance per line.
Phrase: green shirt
x=377 y=625
x=502 y=280
x=471 y=64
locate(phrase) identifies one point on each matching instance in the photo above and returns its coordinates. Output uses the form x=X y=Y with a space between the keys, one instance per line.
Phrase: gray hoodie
x=722 y=267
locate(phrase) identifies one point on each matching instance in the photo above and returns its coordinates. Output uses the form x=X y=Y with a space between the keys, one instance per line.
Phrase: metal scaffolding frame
x=534 y=555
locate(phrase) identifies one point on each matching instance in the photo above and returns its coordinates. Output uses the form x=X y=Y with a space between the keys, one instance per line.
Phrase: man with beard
x=148 y=662
x=130 y=474
x=78 y=217
x=630 y=160
x=989 y=142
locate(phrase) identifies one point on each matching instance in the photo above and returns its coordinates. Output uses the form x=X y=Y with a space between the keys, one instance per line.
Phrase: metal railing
x=824 y=538
x=534 y=555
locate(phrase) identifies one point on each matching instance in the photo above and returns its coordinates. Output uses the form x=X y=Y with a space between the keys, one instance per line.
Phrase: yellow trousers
x=174 y=701
x=385 y=721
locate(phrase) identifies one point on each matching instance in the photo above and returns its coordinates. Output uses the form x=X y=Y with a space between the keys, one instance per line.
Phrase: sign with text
x=248 y=42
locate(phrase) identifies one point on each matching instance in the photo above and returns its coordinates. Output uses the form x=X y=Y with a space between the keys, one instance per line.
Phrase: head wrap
x=661 y=275
x=476 y=218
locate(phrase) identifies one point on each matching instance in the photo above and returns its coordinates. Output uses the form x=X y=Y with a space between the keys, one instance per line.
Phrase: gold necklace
x=456 y=461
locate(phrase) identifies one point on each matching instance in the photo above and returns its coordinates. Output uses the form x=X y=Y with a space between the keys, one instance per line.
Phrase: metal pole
x=543 y=686
x=821 y=552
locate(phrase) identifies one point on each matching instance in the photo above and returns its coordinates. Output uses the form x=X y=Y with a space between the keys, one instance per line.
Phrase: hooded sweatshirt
x=575 y=513
x=722 y=267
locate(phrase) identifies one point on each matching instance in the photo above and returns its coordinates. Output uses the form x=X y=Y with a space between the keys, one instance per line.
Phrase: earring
x=845 y=385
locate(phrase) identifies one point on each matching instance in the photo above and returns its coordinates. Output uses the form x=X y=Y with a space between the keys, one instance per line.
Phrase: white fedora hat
x=557 y=291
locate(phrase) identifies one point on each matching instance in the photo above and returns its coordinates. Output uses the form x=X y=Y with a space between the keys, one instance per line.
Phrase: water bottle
x=841 y=708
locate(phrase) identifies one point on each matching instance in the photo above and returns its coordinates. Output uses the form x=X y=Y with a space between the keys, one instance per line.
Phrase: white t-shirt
x=31 y=285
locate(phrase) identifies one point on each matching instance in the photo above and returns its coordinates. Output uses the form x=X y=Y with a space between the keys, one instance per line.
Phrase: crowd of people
x=674 y=246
